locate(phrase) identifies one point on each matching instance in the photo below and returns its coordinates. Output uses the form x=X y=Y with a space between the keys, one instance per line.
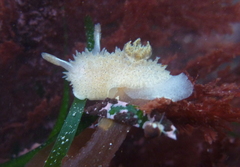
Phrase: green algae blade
x=89 y=29
x=66 y=135
x=22 y=160
x=63 y=111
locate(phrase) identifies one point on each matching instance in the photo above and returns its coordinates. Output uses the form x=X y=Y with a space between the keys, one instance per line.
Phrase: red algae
x=199 y=38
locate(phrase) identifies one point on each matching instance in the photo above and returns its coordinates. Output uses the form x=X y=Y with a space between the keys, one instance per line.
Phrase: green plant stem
x=66 y=135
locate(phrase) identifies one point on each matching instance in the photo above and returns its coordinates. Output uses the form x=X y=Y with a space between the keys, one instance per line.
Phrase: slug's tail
x=175 y=88
x=56 y=61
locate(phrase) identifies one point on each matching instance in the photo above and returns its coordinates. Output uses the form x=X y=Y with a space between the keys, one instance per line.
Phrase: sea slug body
x=96 y=74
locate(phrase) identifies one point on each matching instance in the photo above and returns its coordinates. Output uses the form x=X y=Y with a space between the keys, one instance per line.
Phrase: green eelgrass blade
x=63 y=111
x=21 y=161
x=66 y=135
x=89 y=29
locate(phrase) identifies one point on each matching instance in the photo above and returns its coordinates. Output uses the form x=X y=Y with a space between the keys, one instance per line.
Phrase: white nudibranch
x=96 y=74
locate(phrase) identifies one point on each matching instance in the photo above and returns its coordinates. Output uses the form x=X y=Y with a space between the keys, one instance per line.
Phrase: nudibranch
x=98 y=74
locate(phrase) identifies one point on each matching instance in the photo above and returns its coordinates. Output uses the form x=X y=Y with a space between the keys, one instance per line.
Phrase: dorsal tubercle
x=56 y=61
